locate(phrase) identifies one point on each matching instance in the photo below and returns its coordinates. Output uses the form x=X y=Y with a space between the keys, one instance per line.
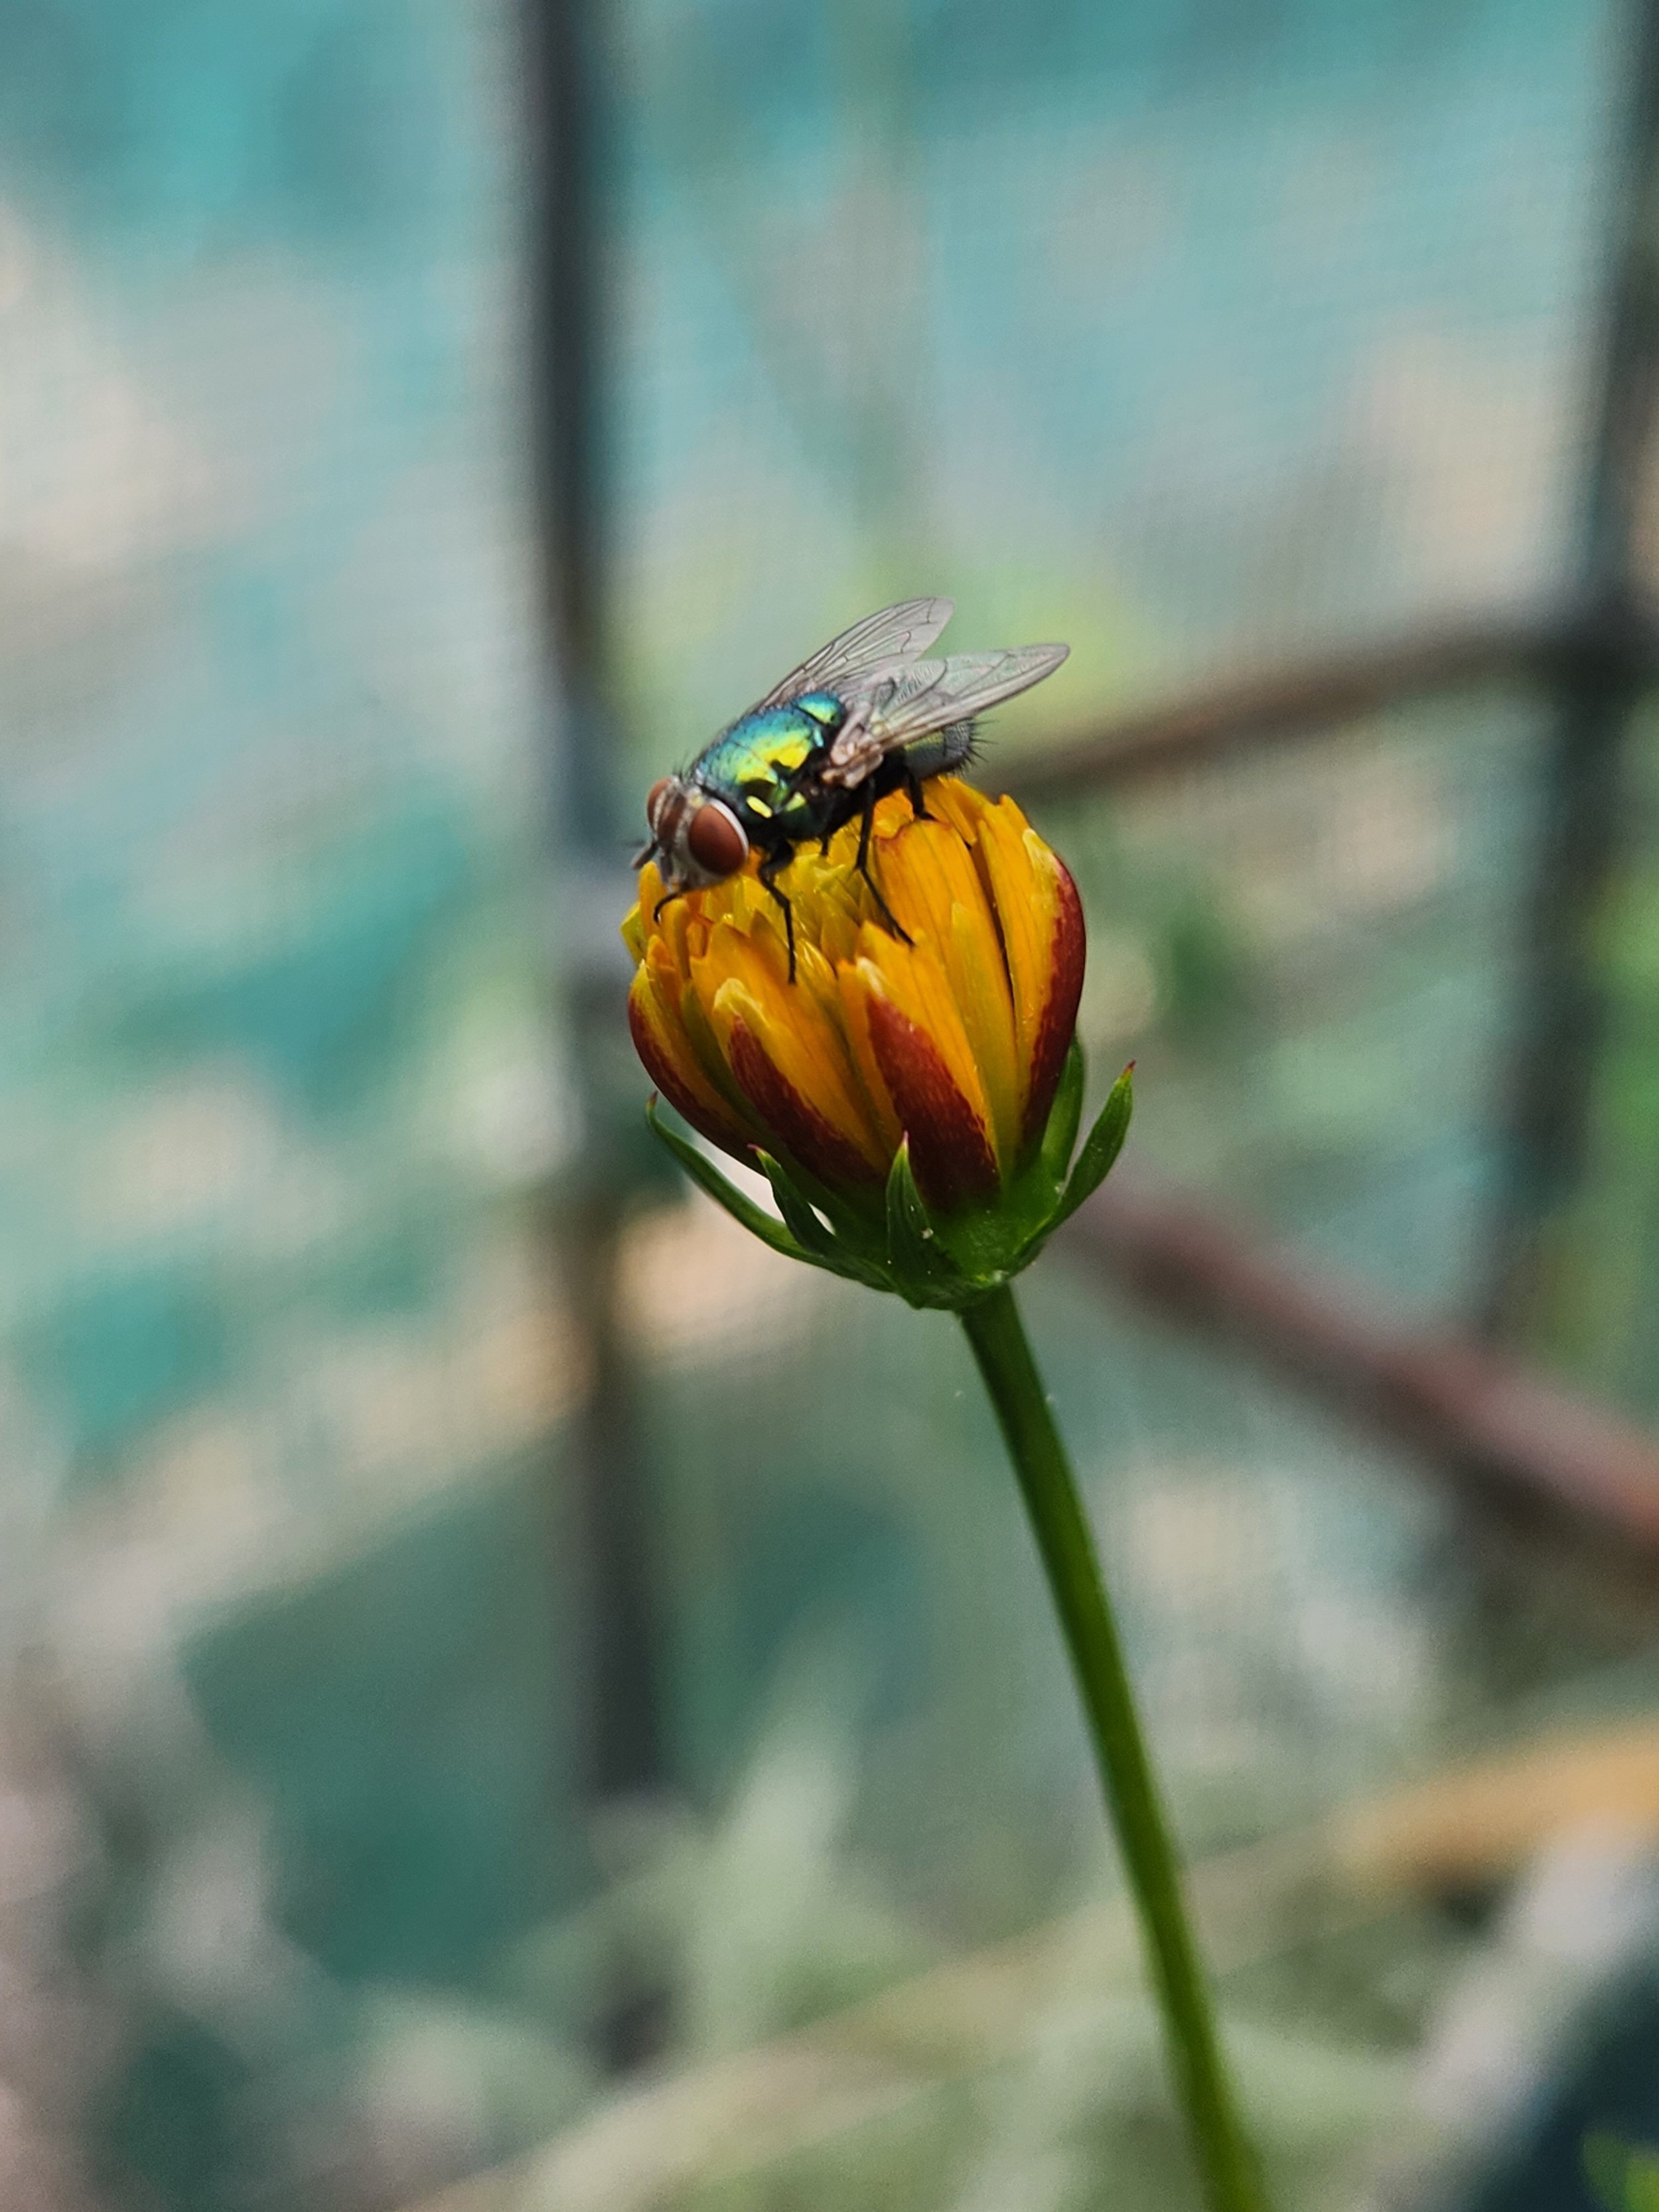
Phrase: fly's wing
x=921 y=696
x=896 y=634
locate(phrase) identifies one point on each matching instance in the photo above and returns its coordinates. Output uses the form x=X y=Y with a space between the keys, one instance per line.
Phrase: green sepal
x=704 y=1172
x=919 y=1267
x=953 y=1264
x=819 y=1242
x=1065 y=1118
x=1101 y=1147
x=799 y=1218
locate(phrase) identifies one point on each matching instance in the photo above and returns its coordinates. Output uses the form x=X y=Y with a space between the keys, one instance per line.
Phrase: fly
x=865 y=716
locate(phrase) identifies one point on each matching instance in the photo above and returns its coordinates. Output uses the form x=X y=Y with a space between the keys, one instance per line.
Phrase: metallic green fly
x=863 y=716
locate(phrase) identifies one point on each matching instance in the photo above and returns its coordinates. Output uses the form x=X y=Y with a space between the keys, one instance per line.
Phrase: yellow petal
x=743 y=978
x=912 y=978
x=795 y=1112
x=959 y=805
x=660 y=1041
x=950 y=1139
x=930 y=881
x=853 y=985
x=1041 y=926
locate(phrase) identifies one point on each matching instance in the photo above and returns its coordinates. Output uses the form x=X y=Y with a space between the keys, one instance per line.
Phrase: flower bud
x=913 y=1103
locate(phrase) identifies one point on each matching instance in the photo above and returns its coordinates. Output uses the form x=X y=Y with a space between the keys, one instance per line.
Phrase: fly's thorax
x=754 y=767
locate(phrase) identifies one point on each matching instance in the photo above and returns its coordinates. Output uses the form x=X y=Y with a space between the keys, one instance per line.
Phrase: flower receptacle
x=929 y=1257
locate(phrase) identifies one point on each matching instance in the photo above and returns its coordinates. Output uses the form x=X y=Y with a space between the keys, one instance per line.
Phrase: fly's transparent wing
x=896 y=633
x=914 y=700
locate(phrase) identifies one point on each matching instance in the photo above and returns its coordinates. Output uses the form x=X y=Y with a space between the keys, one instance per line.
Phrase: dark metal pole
x=568 y=339
x=1605 y=673
x=565 y=99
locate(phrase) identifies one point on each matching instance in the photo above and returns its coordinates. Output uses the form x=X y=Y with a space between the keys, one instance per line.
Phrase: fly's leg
x=867 y=823
x=770 y=870
x=913 y=790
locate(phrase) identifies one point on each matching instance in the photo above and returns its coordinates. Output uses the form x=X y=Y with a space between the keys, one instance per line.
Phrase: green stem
x=999 y=1339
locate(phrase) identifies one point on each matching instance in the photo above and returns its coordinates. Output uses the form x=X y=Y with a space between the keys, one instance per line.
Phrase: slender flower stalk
x=915 y=1103
x=997 y=1335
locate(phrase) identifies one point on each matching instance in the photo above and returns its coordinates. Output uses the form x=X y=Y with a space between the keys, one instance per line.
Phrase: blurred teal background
x=1206 y=334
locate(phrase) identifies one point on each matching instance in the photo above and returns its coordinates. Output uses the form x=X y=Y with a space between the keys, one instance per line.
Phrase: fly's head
x=697 y=840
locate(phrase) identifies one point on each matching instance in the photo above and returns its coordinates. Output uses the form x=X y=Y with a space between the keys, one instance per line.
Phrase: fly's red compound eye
x=715 y=840
x=654 y=797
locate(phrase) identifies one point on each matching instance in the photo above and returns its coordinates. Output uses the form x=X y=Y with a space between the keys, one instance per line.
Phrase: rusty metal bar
x=1538 y=1454
x=1295 y=700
